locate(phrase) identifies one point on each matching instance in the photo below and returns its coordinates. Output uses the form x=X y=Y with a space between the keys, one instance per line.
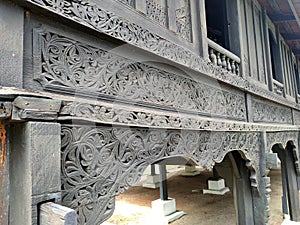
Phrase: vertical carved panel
x=156 y=10
x=128 y=2
x=183 y=19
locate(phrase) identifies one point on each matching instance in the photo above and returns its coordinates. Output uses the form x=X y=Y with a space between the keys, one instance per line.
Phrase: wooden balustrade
x=223 y=58
x=278 y=88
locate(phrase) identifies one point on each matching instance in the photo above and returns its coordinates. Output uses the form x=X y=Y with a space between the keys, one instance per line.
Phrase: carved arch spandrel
x=99 y=163
x=285 y=139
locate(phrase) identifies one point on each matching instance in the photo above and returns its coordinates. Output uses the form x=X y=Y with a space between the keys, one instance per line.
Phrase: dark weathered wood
x=163 y=188
x=4 y=176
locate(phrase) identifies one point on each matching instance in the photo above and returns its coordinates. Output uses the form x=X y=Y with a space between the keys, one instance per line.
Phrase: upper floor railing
x=223 y=58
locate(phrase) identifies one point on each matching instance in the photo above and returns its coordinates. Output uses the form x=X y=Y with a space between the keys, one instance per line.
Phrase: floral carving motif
x=91 y=14
x=296 y=116
x=156 y=12
x=281 y=138
x=67 y=63
x=269 y=112
x=183 y=22
x=100 y=163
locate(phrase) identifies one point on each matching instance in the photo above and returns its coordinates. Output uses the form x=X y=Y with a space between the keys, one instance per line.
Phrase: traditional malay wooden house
x=94 y=91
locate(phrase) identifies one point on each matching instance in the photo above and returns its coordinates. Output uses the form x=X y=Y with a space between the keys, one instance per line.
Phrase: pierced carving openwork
x=269 y=112
x=183 y=21
x=156 y=12
x=99 y=163
x=281 y=137
x=74 y=66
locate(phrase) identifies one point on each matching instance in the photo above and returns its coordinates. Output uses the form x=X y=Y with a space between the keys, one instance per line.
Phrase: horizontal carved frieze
x=90 y=14
x=270 y=112
x=81 y=68
x=99 y=163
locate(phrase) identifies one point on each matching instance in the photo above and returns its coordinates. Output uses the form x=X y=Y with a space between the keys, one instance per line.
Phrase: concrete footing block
x=190 y=171
x=216 y=187
x=287 y=221
x=165 y=211
x=152 y=181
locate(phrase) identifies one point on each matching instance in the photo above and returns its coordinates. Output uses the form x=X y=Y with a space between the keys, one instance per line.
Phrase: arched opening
x=285 y=195
x=234 y=207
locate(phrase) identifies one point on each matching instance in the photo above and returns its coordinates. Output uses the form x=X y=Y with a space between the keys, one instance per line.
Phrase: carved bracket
x=99 y=163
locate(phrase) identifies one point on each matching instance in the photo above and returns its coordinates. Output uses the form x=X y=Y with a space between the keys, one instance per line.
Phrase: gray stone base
x=152 y=182
x=216 y=187
x=165 y=211
x=190 y=171
x=216 y=192
x=287 y=221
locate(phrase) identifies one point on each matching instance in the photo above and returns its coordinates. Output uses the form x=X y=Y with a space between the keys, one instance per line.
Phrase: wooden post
x=4 y=176
x=163 y=183
x=285 y=209
x=152 y=169
x=54 y=214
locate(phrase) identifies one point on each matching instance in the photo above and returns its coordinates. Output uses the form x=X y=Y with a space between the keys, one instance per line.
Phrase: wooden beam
x=294 y=11
x=280 y=17
x=291 y=37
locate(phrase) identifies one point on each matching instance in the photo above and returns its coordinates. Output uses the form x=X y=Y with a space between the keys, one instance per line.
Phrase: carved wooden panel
x=157 y=11
x=270 y=112
x=183 y=19
x=99 y=163
x=64 y=64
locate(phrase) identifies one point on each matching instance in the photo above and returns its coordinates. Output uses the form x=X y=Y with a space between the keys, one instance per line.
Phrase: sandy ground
x=134 y=206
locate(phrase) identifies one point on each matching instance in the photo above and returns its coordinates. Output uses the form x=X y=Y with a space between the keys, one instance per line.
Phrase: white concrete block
x=216 y=192
x=164 y=208
x=216 y=184
x=152 y=181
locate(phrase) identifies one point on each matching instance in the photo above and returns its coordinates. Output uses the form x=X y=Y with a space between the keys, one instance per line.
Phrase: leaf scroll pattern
x=79 y=67
x=99 y=163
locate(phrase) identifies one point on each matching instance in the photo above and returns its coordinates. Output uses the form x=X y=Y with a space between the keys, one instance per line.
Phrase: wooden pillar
x=285 y=209
x=34 y=169
x=4 y=176
x=287 y=161
x=163 y=183
x=241 y=190
x=291 y=181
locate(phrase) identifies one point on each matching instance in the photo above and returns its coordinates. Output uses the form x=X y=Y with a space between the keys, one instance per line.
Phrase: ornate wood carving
x=269 y=112
x=99 y=163
x=183 y=20
x=93 y=16
x=74 y=66
x=156 y=12
x=282 y=138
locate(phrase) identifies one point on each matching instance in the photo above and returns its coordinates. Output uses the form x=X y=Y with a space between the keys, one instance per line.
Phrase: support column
x=4 y=176
x=34 y=169
x=287 y=161
x=163 y=183
x=165 y=208
x=291 y=182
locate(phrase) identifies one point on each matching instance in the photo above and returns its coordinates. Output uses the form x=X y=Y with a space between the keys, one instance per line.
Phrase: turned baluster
x=224 y=64
x=237 y=69
x=233 y=66
x=219 y=59
x=212 y=56
x=228 y=64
